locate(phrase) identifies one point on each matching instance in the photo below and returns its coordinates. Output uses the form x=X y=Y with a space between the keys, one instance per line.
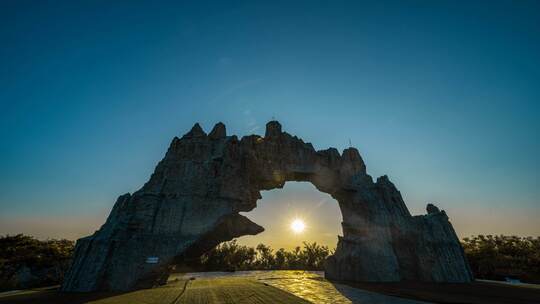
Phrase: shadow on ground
x=200 y=291
x=54 y=296
x=452 y=293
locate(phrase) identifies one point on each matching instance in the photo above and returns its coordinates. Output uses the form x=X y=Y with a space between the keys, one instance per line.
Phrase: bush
x=27 y=262
x=498 y=257
x=231 y=255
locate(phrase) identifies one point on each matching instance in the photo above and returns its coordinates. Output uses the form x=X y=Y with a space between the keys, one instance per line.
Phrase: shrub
x=498 y=257
x=28 y=262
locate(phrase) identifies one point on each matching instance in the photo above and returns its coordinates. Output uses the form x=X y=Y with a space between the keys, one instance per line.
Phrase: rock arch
x=192 y=202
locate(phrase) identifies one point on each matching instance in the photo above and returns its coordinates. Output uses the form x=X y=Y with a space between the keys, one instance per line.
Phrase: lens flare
x=298 y=225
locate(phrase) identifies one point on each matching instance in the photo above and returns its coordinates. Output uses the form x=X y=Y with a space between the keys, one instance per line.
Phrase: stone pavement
x=309 y=285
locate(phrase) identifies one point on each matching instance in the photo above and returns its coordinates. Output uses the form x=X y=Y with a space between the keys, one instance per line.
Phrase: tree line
x=233 y=256
x=27 y=262
x=498 y=257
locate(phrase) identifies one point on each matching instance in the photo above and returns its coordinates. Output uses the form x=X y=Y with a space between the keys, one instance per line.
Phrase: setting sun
x=298 y=226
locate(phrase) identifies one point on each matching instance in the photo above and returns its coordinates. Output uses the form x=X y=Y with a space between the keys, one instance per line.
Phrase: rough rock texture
x=191 y=204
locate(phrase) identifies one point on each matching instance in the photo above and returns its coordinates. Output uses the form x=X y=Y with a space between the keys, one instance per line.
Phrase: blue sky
x=441 y=96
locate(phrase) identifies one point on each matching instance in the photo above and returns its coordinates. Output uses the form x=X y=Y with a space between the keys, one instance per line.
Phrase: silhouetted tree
x=230 y=255
x=28 y=262
x=265 y=257
x=497 y=257
x=280 y=260
x=314 y=255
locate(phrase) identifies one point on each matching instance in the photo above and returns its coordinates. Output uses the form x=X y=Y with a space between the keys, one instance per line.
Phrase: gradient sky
x=442 y=96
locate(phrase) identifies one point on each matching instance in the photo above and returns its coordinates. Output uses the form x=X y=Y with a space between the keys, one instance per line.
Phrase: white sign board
x=152 y=260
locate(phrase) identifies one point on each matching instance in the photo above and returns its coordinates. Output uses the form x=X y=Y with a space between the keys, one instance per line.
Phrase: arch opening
x=279 y=208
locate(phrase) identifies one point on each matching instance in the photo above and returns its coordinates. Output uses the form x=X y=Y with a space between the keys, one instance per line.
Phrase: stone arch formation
x=192 y=202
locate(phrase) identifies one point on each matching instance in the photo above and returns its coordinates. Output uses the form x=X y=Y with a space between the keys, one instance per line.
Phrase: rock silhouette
x=192 y=202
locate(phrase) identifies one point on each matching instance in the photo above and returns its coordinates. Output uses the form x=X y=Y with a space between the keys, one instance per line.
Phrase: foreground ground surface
x=286 y=287
x=212 y=290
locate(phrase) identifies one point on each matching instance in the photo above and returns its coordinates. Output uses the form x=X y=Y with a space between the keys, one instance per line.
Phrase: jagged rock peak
x=351 y=155
x=196 y=131
x=219 y=131
x=331 y=154
x=384 y=181
x=273 y=128
x=430 y=208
